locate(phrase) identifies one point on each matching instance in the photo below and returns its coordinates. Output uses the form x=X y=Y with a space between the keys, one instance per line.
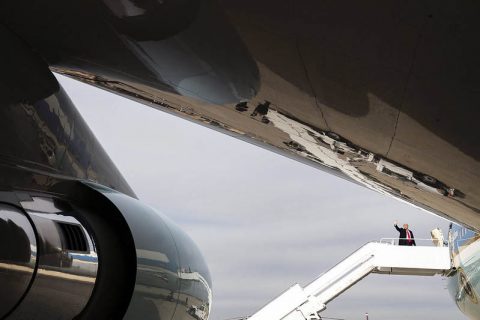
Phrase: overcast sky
x=262 y=221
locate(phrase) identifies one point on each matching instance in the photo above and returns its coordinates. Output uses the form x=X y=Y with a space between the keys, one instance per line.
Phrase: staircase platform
x=299 y=303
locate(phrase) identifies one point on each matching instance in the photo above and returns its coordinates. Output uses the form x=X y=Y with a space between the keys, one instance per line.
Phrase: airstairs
x=299 y=303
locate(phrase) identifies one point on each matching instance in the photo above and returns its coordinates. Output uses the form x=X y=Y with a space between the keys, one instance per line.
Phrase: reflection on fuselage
x=369 y=93
x=274 y=126
x=464 y=281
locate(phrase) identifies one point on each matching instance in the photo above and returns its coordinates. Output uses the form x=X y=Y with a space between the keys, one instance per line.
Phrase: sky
x=262 y=221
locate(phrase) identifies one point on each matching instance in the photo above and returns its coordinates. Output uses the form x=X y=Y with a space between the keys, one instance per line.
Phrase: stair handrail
x=338 y=263
x=391 y=241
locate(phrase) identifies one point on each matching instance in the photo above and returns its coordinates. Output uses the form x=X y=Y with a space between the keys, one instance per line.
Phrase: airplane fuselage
x=381 y=94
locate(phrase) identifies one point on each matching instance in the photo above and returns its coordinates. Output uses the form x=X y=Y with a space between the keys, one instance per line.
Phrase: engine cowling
x=88 y=252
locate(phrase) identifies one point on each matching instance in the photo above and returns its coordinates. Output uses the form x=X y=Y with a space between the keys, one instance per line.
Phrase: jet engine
x=84 y=251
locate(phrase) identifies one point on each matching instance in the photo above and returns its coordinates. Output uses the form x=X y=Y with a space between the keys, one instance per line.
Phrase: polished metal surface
x=172 y=281
x=18 y=256
x=382 y=94
x=399 y=87
x=40 y=128
x=67 y=264
x=464 y=282
x=164 y=44
x=395 y=85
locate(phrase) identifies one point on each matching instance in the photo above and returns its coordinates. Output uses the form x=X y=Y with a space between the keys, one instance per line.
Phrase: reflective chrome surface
x=67 y=264
x=383 y=83
x=464 y=282
x=398 y=86
x=40 y=127
x=18 y=255
x=163 y=44
x=172 y=281
x=384 y=94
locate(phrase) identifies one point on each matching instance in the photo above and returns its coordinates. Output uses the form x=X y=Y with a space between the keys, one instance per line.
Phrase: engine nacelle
x=89 y=252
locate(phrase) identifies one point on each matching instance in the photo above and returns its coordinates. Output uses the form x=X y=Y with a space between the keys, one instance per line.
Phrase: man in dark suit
x=406 y=237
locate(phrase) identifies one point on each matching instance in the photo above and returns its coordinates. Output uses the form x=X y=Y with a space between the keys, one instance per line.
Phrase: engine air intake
x=74 y=237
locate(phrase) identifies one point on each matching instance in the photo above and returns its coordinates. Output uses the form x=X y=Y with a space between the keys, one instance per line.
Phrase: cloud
x=263 y=222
